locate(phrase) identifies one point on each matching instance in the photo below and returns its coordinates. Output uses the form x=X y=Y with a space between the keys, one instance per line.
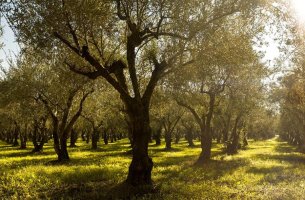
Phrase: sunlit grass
x=266 y=170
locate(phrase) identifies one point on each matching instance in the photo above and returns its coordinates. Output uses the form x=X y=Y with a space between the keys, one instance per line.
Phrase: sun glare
x=299 y=8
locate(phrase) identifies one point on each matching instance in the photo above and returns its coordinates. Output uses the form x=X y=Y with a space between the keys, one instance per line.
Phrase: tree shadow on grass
x=96 y=183
x=215 y=169
x=276 y=174
x=210 y=170
x=20 y=164
x=87 y=190
x=83 y=184
x=173 y=149
x=284 y=148
x=266 y=170
x=7 y=146
x=24 y=153
x=290 y=158
x=92 y=158
x=173 y=160
x=283 y=152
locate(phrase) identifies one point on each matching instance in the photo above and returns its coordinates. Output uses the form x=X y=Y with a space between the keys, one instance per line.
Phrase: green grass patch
x=266 y=170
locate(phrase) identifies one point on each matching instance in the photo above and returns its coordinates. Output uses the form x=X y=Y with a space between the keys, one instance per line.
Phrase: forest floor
x=265 y=170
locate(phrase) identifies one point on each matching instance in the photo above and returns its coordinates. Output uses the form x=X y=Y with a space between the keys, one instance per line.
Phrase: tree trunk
x=9 y=137
x=105 y=137
x=233 y=145
x=225 y=135
x=218 y=138
x=206 y=133
x=23 y=140
x=38 y=148
x=63 y=153
x=168 y=140
x=88 y=138
x=60 y=143
x=189 y=137
x=245 y=140
x=206 y=146
x=226 y=129
x=42 y=138
x=177 y=137
x=73 y=138
x=15 y=138
x=56 y=138
x=34 y=138
x=157 y=136
x=95 y=138
x=141 y=164
x=83 y=136
x=111 y=138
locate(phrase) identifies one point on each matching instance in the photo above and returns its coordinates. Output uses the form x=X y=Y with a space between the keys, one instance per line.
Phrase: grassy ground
x=266 y=170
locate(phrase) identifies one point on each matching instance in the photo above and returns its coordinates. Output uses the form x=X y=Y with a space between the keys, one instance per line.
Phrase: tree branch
x=91 y=75
x=78 y=113
x=119 y=13
x=155 y=77
x=66 y=42
x=193 y=111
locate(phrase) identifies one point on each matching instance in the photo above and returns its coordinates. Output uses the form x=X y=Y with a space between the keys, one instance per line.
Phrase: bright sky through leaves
x=299 y=6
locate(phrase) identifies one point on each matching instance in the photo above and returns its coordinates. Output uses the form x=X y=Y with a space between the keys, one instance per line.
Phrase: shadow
x=80 y=191
x=276 y=174
x=92 y=158
x=24 y=153
x=20 y=164
x=127 y=191
x=284 y=148
x=266 y=170
x=174 y=160
x=194 y=146
x=291 y=158
x=173 y=149
x=210 y=171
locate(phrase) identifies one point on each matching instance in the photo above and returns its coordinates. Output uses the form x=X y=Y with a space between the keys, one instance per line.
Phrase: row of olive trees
x=39 y=100
x=290 y=93
x=201 y=50
x=292 y=126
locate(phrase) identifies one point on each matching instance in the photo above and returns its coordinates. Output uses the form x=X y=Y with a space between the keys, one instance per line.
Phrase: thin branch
x=66 y=42
x=193 y=111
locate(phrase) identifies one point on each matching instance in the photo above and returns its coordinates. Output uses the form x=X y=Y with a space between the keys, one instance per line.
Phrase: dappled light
x=152 y=99
x=270 y=165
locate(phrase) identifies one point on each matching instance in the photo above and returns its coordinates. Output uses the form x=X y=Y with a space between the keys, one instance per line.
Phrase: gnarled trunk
x=60 y=143
x=233 y=145
x=141 y=164
x=206 y=132
x=63 y=153
x=206 y=146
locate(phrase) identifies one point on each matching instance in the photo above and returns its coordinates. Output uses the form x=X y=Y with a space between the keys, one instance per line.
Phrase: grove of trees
x=147 y=70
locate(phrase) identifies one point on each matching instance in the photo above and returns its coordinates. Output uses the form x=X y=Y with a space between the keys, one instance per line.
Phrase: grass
x=266 y=170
